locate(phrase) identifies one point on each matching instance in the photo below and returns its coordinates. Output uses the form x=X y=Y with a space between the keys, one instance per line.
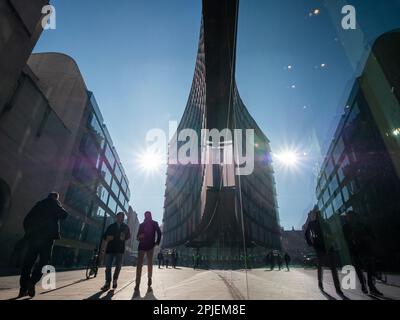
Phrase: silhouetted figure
x=176 y=259
x=360 y=240
x=167 y=260
x=279 y=258
x=160 y=258
x=271 y=259
x=148 y=230
x=114 y=247
x=42 y=227
x=287 y=260
x=315 y=233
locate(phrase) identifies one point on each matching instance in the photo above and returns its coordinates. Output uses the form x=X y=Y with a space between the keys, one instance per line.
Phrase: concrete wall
x=20 y=28
x=33 y=138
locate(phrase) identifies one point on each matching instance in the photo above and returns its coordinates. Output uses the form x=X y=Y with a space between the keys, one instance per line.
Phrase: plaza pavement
x=189 y=284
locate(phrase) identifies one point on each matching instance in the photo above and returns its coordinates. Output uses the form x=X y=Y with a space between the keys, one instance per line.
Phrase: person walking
x=287 y=260
x=160 y=258
x=360 y=241
x=148 y=230
x=280 y=261
x=113 y=247
x=42 y=227
x=315 y=235
x=271 y=259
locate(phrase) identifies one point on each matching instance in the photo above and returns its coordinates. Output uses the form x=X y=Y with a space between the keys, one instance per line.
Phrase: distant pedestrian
x=315 y=234
x=287 y=261
x=279 y=259
x=160 y=258
x=114 y=247
x=148 y=230
x=42 y=227
x=176 y=258
x=167 y=260
x=271 y=260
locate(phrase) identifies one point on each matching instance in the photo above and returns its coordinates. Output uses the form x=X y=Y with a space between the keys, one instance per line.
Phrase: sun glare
x=288 y=158
x=150 y=161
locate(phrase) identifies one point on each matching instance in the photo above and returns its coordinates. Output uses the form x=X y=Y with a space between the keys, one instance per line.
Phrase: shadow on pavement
x=68 y=285
x=148 y=296
x=97 y=296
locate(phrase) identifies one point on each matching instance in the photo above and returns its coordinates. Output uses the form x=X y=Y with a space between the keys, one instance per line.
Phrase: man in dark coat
x=148 y=230
x=42 y=227
x=315 y=235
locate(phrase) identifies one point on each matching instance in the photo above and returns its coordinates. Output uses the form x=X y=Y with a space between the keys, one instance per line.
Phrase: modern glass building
x=208 y=208
x=362 y=167
x=97 y=191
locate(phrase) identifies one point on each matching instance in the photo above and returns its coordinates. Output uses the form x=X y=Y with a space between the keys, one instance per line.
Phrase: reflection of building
x=362 y=166
x=294 y=243
x=52 y=137
x=208 y=205
x=20 y=29
x=131 y=245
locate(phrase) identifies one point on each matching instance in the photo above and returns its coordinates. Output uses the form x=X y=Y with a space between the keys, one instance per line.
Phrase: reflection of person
x=147 y=240
x=114 y=248
x=42 y=227
x=360 y=241
x=315 y=236
x=287 y=260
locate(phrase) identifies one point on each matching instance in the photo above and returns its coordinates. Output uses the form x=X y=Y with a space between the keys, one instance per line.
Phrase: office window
x=118 y=173
x=79 y=200
x=112 y=204
x=115 y=187
x=106 y=174
x=102 y=193
x=110 y=156
x=95 y=128
x=89 y=149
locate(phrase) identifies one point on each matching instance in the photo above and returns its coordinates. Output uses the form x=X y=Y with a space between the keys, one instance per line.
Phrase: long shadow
x=67 y=285
x=97 y=296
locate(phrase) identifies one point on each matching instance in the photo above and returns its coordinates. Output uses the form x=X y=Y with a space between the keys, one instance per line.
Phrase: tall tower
x=208 y=205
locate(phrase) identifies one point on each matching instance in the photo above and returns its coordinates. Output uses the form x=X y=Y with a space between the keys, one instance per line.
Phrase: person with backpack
x=42 y=228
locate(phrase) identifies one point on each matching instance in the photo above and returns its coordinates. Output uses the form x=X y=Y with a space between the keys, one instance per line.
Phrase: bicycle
x=93 y=265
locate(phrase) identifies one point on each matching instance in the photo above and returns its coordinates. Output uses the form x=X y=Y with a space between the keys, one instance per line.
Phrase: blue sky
x=138 y=58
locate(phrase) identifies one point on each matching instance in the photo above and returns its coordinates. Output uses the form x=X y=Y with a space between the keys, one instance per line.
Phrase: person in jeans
x=114 y=248
x=147 y=241
x=42 y=227
x=316 y=234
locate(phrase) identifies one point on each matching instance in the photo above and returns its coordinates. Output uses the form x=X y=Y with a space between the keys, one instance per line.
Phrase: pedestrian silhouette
x=279 y=258
x=271 y=260
x=113 y=246
x=42 y=227
x=287 y=261
x=360 y=241
x=148 y=230
x=160 y=258
x=316 y=232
